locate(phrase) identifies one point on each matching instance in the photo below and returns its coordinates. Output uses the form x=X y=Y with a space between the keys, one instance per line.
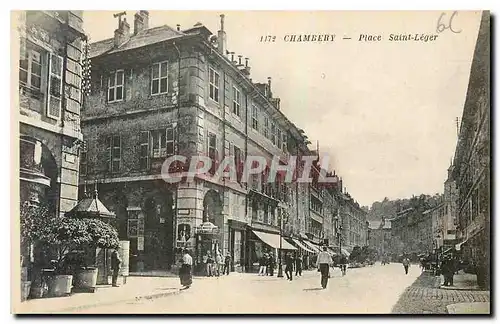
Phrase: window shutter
x=55 y=86
x=109 y=144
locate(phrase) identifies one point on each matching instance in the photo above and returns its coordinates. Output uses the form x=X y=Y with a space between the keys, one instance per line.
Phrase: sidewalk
x=136 y=288
x=469 y=308
x=426 y=296
x=462 y=281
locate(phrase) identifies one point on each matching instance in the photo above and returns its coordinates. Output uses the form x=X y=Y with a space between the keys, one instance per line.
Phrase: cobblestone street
x=424 y=297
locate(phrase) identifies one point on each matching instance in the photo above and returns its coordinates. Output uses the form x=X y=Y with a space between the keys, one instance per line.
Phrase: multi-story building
x=450 y=209
x=50 y=96
x=471 y=163
x=379 y=236
x=414 y=231
x=159 y=92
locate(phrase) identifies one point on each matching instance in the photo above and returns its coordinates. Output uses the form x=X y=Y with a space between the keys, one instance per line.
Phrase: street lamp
x=280 y=252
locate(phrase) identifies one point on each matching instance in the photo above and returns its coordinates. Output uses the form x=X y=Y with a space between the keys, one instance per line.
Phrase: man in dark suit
x=115 y=266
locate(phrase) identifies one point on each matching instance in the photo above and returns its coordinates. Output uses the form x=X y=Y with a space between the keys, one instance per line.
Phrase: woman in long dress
x=185 y=273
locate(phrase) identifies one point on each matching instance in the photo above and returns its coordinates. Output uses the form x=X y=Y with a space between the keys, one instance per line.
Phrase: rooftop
x=143 y=38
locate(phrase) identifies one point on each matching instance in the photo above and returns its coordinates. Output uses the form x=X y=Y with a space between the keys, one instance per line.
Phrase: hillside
x=388 y=208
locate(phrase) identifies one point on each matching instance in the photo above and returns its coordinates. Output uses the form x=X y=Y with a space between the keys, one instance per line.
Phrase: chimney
x=246 y=69
x=141 y=21
x=239 y=60
x=178 y=27
x=269 y=92
x=221 y=37
x=122 y=34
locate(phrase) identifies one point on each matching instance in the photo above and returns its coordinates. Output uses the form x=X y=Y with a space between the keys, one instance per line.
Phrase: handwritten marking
x=441 y=27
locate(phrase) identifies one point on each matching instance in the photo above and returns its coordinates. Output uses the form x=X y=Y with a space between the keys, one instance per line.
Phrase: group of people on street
x=213 y=266
x=448 y=269
x=216 y=266
x=293 y=262
x=267 y=264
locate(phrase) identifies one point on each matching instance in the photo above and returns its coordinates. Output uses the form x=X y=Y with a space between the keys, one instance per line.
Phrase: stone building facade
x=50 y=97
x=379 y=236
x=50 y=65
x=471 y=163
x=159 y=92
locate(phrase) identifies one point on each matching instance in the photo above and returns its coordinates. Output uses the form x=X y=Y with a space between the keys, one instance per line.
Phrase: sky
x=384 y=112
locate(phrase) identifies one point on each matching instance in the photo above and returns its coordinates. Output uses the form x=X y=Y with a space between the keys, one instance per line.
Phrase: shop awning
x=273 y=241
x=310 y=245
x=302 y=246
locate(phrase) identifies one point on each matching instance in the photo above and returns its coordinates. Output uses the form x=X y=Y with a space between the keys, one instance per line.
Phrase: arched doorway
x=212 y=209
x=212 y=212
x=157 y=246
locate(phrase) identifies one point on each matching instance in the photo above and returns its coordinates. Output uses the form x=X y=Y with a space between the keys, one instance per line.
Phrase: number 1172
x=268 y=38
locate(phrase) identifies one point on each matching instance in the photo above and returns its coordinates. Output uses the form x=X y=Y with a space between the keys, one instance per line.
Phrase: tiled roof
x=143 y=38
x=92 y=206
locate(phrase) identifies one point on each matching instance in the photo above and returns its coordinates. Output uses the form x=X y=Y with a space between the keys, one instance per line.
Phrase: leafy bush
x=102 y=234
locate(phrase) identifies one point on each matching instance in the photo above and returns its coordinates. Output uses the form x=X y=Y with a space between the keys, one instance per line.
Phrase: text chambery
x=294 y=38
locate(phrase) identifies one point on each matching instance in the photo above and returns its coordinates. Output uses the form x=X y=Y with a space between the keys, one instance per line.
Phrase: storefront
x=260 y=243
x=237 y=247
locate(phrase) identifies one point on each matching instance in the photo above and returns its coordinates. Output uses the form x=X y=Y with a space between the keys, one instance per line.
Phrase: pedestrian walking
x=448 y=270
x=115 y=266
x=209 y=265
x=219 y=264
x=262 y=265
x=185 y=272
x=227 y=264
x=298 y=265
x=406 y=264
x=323 y=263
x=289 y=261
x=271 y=264
x=343 y=264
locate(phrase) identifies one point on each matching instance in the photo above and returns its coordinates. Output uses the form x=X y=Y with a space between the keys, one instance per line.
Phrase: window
x=214 y=85
x=30 y=70
x=159 y=78
x=279 y=138
x=55 y=86
x=266 y=126
x=238 y=163
x=115 y=86
x=114 y=153
x=284 y=143
x=83 y=159
x=255 y=118
x=236 y=101
x=155 y=144
x=212 y=151
x=135 y=224
x=273 y=133
x=316 y=205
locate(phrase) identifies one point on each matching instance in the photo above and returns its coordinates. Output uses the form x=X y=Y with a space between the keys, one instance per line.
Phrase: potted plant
x=101 y=235
x=63 y=235
x=32 y=219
